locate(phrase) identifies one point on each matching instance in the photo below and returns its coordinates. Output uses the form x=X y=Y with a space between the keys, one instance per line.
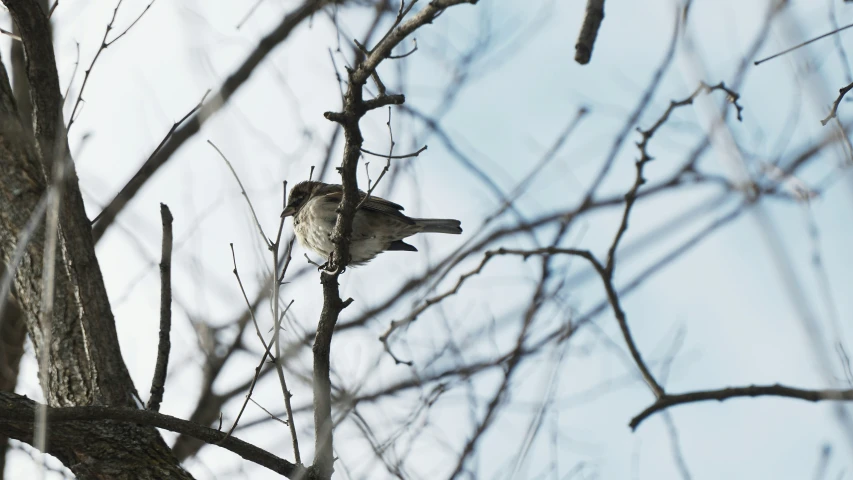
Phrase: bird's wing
x=375 y=204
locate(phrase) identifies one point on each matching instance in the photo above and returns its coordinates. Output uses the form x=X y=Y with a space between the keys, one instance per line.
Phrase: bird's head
x=299 y=195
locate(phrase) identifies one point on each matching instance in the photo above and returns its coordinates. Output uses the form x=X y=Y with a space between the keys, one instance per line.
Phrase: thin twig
x=104 y=45
x=245 y=195
x=159 y=381
x=272 y=417
x=249 y=393
x=249 y=13
x=337 y=75
x=287 y=260
x=413 y=50
x=612 y=297
x=312 y=262
x=11 y=35
x=606 y=271
x=783 y=52
x=50 y=13
x=73 y=72
x=549 y=156
x=776 y=390
x=638 y=110
x=246 y=298
x=279 y=368
x=411 y=317
x=277 y=318
x=281 y=221
x=396 y=157
x=834 y=110
x=193 y=125
x=371 y=188
x=354 y=109
x=100 y=224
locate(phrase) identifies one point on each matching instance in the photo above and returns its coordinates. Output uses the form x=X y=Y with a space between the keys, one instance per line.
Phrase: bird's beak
x=289 y=211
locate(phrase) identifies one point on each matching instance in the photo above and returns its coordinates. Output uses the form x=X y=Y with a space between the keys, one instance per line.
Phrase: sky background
x=732 y=300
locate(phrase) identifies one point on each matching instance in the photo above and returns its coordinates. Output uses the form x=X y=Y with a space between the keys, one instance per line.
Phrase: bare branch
x=593 y=16
x=277 y=278
x=354 y=108
x=396 y=157
x=776 y=390
x=613 y=299
x=249 y=13
x=164 y=345
x=193 y=125
x=820 y=37
x=413 y=50
x=10 y=35
x=384 y=100
x=834 y=110
x=631 y=121
x=98 y=221
x=104 y=45
x=266 y=240
x=248 y=396
x=81 y=427
x=251 y=310
x=392 y=144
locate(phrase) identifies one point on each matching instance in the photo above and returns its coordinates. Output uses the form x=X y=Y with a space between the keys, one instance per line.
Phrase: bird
x=378 y=225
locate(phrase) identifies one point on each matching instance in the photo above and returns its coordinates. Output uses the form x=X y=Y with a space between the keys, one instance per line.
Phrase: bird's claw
x=327 y=267
x=331 y=266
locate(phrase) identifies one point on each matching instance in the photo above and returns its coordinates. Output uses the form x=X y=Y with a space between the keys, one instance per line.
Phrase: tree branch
x=80 y=338
x=85 y=428
x=354 y=108
x=213 y=105
x=834 y=110
x=589 y=31
x=164 y=345
x=776 y=390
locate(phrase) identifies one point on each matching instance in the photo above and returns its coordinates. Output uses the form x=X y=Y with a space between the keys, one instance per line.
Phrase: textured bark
x=83 y=330
x=13 y=328
x=92 y=449
x=85 y=363
x=20 y=84
x=13 y=334
x=92 y=429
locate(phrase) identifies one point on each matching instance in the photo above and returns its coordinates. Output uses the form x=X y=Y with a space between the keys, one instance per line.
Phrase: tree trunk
x=85 y=366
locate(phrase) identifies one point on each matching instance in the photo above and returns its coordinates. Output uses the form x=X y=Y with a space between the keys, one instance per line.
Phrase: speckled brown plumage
x=378 y=226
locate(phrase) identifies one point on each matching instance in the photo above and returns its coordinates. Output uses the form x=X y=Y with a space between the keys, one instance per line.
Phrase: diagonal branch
x=210 y=107
x=834 y=110
x=104 y=45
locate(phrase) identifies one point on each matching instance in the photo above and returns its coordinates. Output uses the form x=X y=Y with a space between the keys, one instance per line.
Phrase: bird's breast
x=313 y=225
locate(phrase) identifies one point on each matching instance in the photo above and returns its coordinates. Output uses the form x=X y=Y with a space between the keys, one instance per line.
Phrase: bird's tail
x=439 y=225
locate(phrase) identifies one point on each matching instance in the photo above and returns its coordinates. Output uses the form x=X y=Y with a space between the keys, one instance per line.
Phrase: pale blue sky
x=738 y=318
